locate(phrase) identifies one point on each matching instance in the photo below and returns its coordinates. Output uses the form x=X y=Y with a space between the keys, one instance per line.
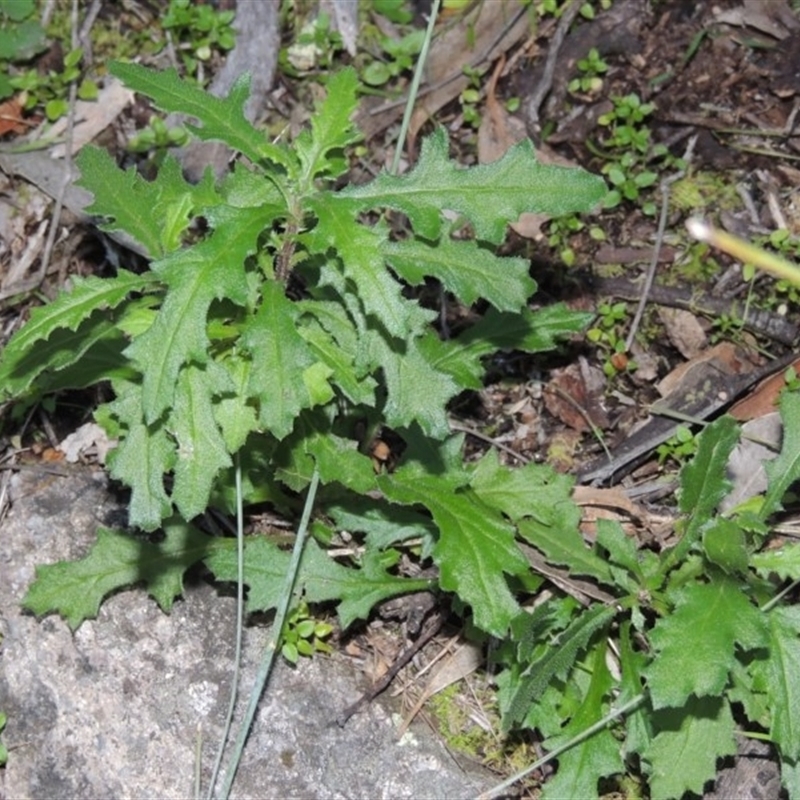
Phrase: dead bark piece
x=695 y=390
x=765 y=323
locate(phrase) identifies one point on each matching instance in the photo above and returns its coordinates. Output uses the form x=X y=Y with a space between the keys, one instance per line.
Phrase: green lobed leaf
x=415 y=391
x=704 y=481
x=92 y=354
x=123 y=196
x=529 y=331
x=557 y=661
x=582 y=767
x=725 y=545
x=790 y=777
x=339 y=460
x=383 y=525
x=683 y=755
x=622 y=549
x=234 y=415
x=475 y=549
x=463 y=364
x=359 y=249
x=331 y=128
x=244 y=187
x=24 y=358
x=140 y=460
x=784 y=561
x=534 y=490
x=638 y=727
x=696 y=644
x=212 y=269
x=359 y=590
x=312 y=444
x=783 y=679
x=784 y=470
x=70 y=359
x=562 y=543
x=201 y=448
x=281 y=359
x=490 y=195
x=75 y=589
x=464 y=268
x=320 y=578
x=749 y=689
x=359 y=390
x=222 y=118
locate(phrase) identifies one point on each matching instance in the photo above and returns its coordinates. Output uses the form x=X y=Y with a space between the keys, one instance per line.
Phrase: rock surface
x=114 y=710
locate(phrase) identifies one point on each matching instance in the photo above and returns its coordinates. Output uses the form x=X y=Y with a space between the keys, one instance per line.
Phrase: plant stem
x=631 y=705
x=412 y=95
x=272 y=645
x=237 y=658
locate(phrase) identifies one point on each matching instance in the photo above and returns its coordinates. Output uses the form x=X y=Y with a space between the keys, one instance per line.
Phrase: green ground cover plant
x=199 y=31
x=22 y=38
x=209 y=357
x=276 y=330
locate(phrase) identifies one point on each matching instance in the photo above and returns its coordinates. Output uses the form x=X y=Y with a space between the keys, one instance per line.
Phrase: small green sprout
x=628 y=148
x=303 y=635
x=21 y=38
x=471 y=96
x=792 y=380
x=394 y=10
x=607 y=334
x=562 y=229
x=680 y=447
x=314 y=48
x=591 y=68
x=399 y=55
x=199 y=31
x=51 y=90
x=556 y=8
x=157 y=136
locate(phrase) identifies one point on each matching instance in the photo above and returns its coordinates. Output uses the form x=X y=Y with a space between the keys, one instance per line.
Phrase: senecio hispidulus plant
x=280 y=329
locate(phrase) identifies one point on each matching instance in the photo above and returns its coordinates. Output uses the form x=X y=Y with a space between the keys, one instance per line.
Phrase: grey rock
x=115 y=710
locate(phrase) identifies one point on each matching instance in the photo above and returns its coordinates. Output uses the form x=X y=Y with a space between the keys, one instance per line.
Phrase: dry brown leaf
x=684 y=330
x=497 y=131
x=760 y=442
x=610 y=504
x=11 y=119
x=92 y=116
x=481 y=35
x=597 y=497
x=574 y=395
x=724 y=357
x=763 y=398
